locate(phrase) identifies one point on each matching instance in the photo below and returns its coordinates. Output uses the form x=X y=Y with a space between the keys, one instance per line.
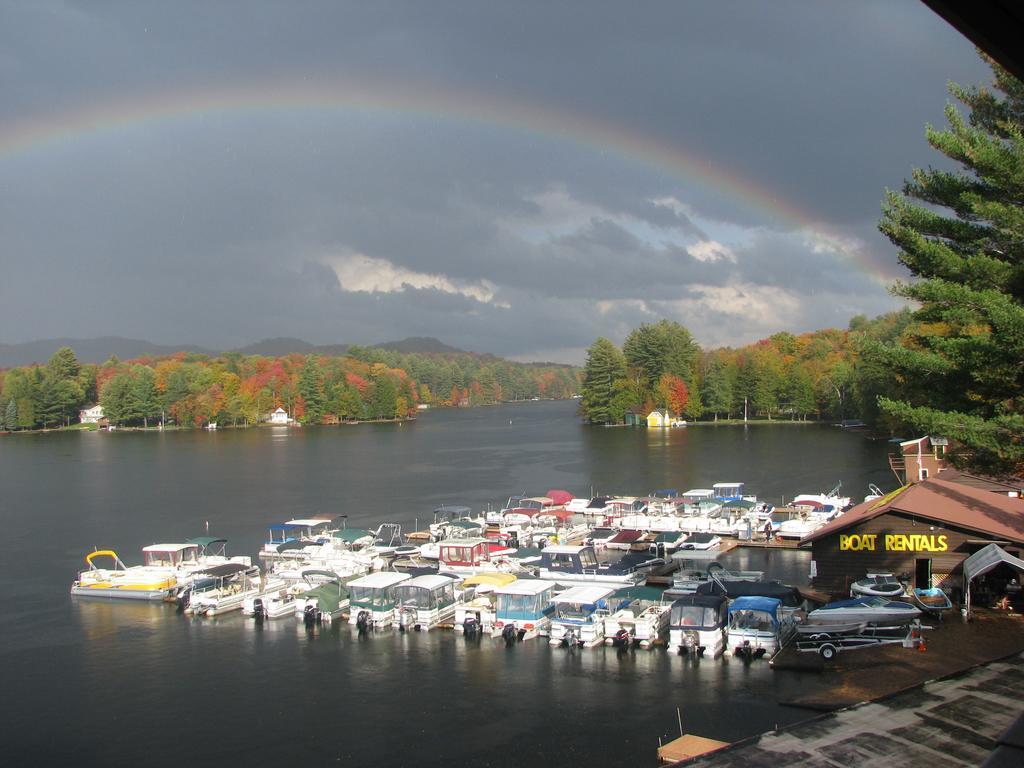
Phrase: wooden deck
x=687 y=747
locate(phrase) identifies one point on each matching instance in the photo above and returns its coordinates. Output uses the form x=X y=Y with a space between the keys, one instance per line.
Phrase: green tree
x=63 y=365
x=961 y=235
x=118 y=400
x=145 y=393
x=382 y=399
x=311 y=387
x=717 y=389
x=11 y=414
x=603 y=374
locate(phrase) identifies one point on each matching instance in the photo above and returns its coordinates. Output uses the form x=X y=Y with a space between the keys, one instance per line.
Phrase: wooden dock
x=687 y=747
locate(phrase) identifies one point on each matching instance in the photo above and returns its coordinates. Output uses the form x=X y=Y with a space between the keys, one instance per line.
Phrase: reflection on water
x=99 y=682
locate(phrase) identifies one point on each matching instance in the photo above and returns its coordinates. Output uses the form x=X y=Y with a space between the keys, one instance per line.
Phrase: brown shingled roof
x=951 y=503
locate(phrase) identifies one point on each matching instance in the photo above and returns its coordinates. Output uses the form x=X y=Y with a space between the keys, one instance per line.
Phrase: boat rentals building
x=922 y=533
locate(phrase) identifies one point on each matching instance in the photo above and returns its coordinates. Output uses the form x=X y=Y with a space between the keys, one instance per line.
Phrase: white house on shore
x=280 y=416
x=91 y=415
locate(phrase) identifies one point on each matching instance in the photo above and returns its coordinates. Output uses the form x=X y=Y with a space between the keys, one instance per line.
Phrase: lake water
x=108 y=683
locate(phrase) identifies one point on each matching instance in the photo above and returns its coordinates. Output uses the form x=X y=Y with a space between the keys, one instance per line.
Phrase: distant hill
x=95 y=350
x=101 y=349
x=421 y=345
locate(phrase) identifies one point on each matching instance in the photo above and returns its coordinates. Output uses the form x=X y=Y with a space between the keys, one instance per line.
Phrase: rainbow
x=36 y=134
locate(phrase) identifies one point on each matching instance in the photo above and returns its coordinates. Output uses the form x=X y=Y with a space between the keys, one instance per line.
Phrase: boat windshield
x=694 y=615
x=574 y=610
x=521 y=604
x=372 y=597
x=588 y=559
x=746 y=619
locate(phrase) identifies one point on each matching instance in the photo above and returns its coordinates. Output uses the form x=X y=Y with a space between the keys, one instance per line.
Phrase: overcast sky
x=516 y=178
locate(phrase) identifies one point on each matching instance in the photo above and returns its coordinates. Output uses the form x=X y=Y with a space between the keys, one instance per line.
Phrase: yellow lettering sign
x=893 y=542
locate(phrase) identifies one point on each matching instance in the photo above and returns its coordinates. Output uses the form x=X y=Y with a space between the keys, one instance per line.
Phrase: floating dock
x=687 y=747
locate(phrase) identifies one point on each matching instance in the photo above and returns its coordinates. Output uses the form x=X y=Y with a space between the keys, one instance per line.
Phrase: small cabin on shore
x=280 y=416
x=91 y=415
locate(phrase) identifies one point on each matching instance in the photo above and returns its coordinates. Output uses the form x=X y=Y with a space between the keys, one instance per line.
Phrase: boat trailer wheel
x=828 y=651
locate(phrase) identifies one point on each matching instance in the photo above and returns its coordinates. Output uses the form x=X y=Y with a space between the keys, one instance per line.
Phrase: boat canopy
x=666 y=537
x=319 y=572
x=704 y=601
x=491 y=579
x=559 y=496
x=769 y=605
x=295 y=544
x=739 y=504
x=169 y=547
x=309 y=522
x=626 y=536
x=983 y=561
x=224 y=570
x=465 y=525
x=667 y=493
x=379 y=580
x=525 y=587
x=352 y=534
x=205 y=542
x=739 y=588
x=586 y=594
x=104 y=553
x=598 y=503
x=429 y=581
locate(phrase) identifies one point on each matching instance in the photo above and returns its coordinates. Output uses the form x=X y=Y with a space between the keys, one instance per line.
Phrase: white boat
x=697 y=625
x=475 y=612
x=120 y=581
x=469 y=556
x=425 y=601
x=700 y=541
x=756 y=626
x=373 y=599
x=221 y=589
x=867 y=608
x=579 y=615
x=878 y=585
x=579 y=564
x=524 y=609
x=189 y=558
x=324 y=600
x=643 y=621
x=277 y=602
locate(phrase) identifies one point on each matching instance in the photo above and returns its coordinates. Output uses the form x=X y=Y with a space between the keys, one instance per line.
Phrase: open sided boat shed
x=922 y=533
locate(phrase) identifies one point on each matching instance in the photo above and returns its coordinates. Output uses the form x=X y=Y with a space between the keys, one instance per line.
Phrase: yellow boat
x=135 y=583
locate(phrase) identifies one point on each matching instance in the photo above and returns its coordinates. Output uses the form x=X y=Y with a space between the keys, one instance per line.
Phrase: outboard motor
x=183 y=599
x=622 y=638
x=258 y=611
x=470 y=626
x=310 y=615
x=509 y=634
x=363 y=621
x=405 y=619
x=570 y=638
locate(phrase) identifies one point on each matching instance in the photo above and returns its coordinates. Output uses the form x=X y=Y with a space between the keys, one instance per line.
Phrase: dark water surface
x=109 y=683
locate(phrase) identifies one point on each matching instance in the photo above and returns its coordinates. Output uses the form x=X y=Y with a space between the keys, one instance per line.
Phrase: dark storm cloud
x=222 y=228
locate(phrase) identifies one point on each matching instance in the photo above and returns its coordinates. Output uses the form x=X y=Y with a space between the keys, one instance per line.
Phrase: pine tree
x=604 y=370
x=960 y=364
x=11 y=414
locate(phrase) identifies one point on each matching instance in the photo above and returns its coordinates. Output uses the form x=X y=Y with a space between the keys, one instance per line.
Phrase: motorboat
x=274 y=602
x=373 y=599
x=866 y=608
x=569 y=564
x=818 y=500
x=221 y=589
x=697 y=625
x=579 y=615
x=469 y=556
x=137 y=582
x=577 y=506
x=455 y=520
x=642 y=621
x=628 y=539
x=702 y=541
x=425 y=601
x=878 y=585
x=599 y=537
x=191 y=557
x=695 y=568
x=756 y=626
x=789 y=597
x=475 y=612
x=524 y=609
x=731 y=492
x=666 y=542
x=325 y=600
x=931 y=600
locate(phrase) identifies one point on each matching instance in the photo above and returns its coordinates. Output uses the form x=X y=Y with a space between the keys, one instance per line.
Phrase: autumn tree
x=961 y=235
x=603 y=374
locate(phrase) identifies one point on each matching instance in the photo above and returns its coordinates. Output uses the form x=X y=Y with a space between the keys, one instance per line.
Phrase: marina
x=349 y=671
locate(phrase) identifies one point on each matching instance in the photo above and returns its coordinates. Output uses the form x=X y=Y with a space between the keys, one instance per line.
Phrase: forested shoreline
x=192 y=390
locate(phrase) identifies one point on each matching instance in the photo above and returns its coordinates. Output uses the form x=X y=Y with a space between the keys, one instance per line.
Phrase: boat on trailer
x=870 y=609
x=137 y=582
